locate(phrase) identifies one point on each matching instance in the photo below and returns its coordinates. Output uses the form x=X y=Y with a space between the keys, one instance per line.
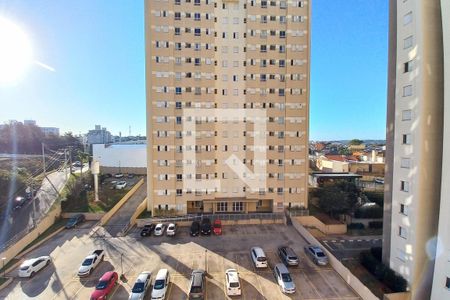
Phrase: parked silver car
x=284 y=279
x=288 y=256
x=317 y=255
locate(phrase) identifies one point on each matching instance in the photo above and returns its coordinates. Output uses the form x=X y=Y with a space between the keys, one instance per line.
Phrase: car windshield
x=196 y=289
x=320 y=254
x=24 y=268
x=261 y=258
x=286 y=277
x=159 y=284
x=71 y=221
x=292 y=257
x=103 y=284
x=138 y=287
x=171 y=227
x=87 y=262
x=216 y=225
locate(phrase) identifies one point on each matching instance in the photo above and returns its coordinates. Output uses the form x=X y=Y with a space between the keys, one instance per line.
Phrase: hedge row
x=371 y=212
x=355 y=226
x=383 y=273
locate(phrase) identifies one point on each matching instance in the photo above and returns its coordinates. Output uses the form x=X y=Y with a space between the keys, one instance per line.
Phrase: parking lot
x=180 y=255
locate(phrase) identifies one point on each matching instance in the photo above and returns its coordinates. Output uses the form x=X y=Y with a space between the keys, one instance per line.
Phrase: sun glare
x=15 y=52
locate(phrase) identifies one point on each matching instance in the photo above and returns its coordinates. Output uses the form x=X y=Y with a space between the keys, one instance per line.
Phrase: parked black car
x=206 y=226
x=147 y=230
x=75 y=220
x=195 y=228
x=19 y=202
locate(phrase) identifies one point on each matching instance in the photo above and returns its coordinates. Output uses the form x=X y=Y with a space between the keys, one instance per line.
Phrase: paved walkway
x=121 y=219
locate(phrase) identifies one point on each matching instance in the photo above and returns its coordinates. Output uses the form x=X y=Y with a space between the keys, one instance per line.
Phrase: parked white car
x=171 y=229
x=31 y=266
x=233 y=283
x=161 y=284
x=159 y=229
x=140 y=287
x=121 y=185
x=259 y=257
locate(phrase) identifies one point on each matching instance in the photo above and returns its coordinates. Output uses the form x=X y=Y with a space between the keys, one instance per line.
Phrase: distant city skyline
x=94 y=72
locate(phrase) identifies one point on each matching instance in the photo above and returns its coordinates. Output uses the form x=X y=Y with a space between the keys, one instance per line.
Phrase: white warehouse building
x=123 y=158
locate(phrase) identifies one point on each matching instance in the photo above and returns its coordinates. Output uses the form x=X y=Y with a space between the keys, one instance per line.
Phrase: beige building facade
x=227 y=105
x=414 y=154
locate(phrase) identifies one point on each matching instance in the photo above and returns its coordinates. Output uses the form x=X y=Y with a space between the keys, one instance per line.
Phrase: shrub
x=376 y=224
x=370 y=212
x=377 y=197
x=391 y=279
x=355 y=226
x=377 y=252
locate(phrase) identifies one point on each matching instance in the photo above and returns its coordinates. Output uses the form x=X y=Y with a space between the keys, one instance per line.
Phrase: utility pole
x=70 y=159
x=65 y=162
x=43 y=159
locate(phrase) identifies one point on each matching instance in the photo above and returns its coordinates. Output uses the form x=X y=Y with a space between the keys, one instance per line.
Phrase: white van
x=233 y=283
x=258 y=257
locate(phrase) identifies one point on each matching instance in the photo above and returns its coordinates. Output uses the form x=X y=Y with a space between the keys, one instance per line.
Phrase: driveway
x=180 y=255
x=122 y=217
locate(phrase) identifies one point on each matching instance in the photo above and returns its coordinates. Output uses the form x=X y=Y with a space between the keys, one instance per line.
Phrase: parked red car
x=217 y=227
x=105 y=286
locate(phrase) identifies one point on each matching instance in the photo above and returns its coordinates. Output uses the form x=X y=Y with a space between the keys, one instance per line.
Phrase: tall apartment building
x=415 y=167
x=239 y=71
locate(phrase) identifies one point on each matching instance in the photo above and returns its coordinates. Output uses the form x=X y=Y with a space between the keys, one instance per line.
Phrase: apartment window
x=406 y=115
x=407 y=90
x=197 y=16
x=404 y=186
x=197 y=31
x=177 y=2
x=179 y=192
x=263 y=48
x=264 y=4
x=447 y=283
x=405 y=163
x=282 y=34
x=404 y=209
x=408 y=42
x=238 y=206
x=406 y=139
x=235 y=20
x=178 y=90
x=177 y=16
x=178 y=120
x=263 y=19
x=235 y=49
x=407 y=18
x=408 y=66
x=222 y=206
x=402 y=232
x=196 y=2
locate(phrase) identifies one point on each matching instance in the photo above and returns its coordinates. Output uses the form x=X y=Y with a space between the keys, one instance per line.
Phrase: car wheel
x=47 y=263
x=32 y=274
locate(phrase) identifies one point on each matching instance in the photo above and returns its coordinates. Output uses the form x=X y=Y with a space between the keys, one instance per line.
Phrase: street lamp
x=3 y=261
x=121 y=263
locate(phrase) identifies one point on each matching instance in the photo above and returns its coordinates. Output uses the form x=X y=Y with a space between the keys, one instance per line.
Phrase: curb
x=6 y=283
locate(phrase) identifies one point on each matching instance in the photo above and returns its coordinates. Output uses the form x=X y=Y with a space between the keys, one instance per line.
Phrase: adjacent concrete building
x=240 y=70
x=98 y=135
x=416 y=205
x=123 y=158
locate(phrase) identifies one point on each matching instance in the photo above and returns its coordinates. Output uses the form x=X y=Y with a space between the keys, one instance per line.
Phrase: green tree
x=333 y=201
x=356 y=142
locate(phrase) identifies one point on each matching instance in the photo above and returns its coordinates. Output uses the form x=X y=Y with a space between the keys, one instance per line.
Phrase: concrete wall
x=311 y=221
x=41 y=227
x=133 y=156
x=119 y=204
x=442 y=262
x=88 y=216
x=139 y=210
x=142 y=222
x=345 y=273
x=398 y=296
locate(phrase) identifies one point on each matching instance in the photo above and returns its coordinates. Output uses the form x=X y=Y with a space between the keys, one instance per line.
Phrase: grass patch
x=370 y=281
x=3 y=280
x=145 y=215
x=57 y=225
x=8 y=265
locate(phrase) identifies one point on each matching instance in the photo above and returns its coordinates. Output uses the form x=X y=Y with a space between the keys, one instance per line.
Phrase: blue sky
x=97 y=50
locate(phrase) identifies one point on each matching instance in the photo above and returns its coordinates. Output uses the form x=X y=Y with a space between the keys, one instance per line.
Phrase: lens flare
x=15 y=52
